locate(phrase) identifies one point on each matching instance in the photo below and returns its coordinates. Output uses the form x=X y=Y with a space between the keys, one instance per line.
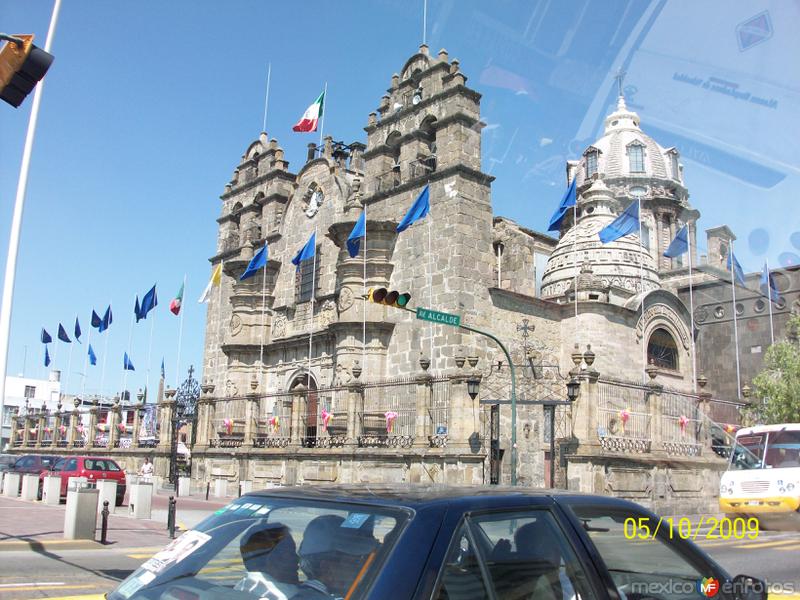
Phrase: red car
x=94 y=468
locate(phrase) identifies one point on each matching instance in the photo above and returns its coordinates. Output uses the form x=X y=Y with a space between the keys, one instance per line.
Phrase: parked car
x=94 y=468
x=32 y=463
x=6 y=461
x=437 y=543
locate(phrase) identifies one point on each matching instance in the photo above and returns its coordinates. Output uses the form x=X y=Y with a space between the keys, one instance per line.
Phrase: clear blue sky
x=149 y=106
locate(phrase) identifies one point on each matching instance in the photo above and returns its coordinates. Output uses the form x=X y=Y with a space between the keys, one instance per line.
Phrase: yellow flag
x=216 y=277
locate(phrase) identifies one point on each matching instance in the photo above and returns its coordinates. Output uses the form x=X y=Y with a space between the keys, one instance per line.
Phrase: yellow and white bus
x=763 y=475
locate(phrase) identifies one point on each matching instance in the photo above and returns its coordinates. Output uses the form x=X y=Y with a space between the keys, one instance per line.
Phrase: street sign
x=426 y=314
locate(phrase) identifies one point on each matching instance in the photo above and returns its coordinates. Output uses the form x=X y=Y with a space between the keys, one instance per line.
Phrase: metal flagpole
x=124 y=370
x=86 y=361
x=180 y=337
x=641 y=284
x=149 y=354
x=263 y=324
x=105 y=354
x=69 y=368
x=575 y=262
x=266 y=101
x=311 y=329
x=769 y=301
x=219 y=325
x=691 y=309
x=324 y=109
x=430 y=287
x=364 y=324
x=16 y=222
x=424 y=21
x=731 y=258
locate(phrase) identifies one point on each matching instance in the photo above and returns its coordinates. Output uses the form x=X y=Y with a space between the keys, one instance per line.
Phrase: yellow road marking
x=772 y=596
x=148 y=555
x=85 y=597
x=30 y=588
x=767 y=544
x=793 y=547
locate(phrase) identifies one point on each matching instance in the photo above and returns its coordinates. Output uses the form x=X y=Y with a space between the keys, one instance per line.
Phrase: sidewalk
x=39 y=527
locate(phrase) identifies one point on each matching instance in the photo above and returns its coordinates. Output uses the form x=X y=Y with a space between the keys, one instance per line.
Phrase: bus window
x=783 y=450
x=748 y=452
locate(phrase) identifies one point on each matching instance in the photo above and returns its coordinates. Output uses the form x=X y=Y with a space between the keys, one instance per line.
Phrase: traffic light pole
x=513 y=391
x=16 y=226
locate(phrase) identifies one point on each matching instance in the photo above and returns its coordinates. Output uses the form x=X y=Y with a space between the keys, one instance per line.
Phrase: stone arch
x=427 y=129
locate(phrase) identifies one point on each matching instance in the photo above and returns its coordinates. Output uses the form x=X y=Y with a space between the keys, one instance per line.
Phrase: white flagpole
x=324 y=108
x=731 y=258
x=364 y=323
x=86 y=360
x=124 y=370
x=180 y=336
x=769 y=301
x=641 y=284
x=263 y=324
x=430 y=286
x=575 y=262
x=105 y=354
x=149 y=354
x=266 y=100
x=311 y=328
x=424 y=21
x=219 y=328
x=691 y=308
x=16 y=222
x=69 y=368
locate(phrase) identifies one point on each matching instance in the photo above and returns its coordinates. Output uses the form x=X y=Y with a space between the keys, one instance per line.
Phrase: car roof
x=418 y=495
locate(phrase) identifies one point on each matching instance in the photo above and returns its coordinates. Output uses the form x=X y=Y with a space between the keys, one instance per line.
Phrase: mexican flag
x=311 y=117
x=177 y=302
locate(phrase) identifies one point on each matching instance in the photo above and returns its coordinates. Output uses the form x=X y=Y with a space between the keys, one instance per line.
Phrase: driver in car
x=270 y=556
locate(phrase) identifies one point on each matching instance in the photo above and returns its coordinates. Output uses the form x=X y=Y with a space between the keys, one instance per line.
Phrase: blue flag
x=418 y=211
x=97 y=322
x=127 y=364
x=625 y=224
x=354 y=239
x=137 y=310
x=307 y=251
x=680 y=245
x=108 y=318
x=46 y=339
x=92 y=356
x=62 y=334
x=736 y=269
x=46 y=357
x=149 y=302
x=567 y=201
x=768 y=287
x=259 y=261
x=77 y=331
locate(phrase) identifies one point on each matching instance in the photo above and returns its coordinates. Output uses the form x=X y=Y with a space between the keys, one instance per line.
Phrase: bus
x=763 y=475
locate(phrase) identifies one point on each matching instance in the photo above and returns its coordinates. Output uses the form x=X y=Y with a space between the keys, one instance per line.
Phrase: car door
x=520 y=554
x=639 y=554
x=70 y=469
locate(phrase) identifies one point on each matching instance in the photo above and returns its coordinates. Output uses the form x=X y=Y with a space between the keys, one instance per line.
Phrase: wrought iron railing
x=624 y=420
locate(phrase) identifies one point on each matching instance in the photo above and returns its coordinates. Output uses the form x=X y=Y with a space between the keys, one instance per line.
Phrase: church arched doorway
x=305 y=388
x=662 y=351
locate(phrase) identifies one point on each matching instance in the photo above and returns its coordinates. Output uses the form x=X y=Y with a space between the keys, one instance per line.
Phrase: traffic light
x=389 y=298
x=22 y=66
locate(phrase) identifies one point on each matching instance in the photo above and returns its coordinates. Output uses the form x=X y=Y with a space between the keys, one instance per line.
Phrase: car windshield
x=261 y=545
x=748 y=452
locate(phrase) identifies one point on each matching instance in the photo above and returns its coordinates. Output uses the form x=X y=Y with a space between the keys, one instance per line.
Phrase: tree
x=777 y=386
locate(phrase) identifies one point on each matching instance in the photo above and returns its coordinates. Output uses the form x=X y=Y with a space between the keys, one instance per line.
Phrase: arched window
x=591 y=163
x=662 y=351
x=636 y=157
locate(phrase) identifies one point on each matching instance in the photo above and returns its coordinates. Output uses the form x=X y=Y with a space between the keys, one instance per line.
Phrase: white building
x=35 y=393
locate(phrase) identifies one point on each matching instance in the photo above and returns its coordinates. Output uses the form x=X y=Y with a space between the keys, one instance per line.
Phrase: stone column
x=26 y=434
x=204 y=408
x=656 y=409
x=297 y=403
x=113 y=419
x=14 y=429
x=166 y=408
x=56 y=436
x=584 y=410
x=41 y=422
x=250 y=413
x=137 y=420
x=92 y=434
x=73 y=424
x=422 y=429
x=355 y=405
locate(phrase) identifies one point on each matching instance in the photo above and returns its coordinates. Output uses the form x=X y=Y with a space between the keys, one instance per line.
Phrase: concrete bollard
x=80 y=518
x=244 y=487
x=140 y=500
x=184 y=486
x=30 y=487
x=107 y=491
x=73 y=483
x=220 y=488
x=51 y=490
x=11 y=487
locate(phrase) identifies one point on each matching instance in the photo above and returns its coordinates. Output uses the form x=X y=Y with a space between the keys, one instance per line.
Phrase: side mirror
x=749 y=588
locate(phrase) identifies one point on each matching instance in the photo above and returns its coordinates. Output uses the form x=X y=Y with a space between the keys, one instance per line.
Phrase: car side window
x=461 y=577
x=72 y=465
x=112 y=466
x=528 y=556
x=25 y=461
x=59 y=466
x=90 y=464
x=640 y=557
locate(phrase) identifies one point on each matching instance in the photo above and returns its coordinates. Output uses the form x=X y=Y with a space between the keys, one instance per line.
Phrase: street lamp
x=472 y=387
x=573 y=389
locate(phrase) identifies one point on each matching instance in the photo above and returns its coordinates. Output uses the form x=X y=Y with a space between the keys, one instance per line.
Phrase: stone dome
x=614 y=265
x=613 y=160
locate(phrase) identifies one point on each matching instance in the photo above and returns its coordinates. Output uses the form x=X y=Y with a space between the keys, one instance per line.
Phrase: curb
x=50 y=545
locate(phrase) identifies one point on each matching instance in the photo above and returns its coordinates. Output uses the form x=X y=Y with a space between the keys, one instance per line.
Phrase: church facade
x=307 y=381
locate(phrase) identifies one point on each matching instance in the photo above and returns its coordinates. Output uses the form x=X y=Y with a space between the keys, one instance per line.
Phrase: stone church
x=306 y=381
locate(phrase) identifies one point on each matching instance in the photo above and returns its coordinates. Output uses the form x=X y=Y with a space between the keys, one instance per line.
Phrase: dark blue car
x=401 y=542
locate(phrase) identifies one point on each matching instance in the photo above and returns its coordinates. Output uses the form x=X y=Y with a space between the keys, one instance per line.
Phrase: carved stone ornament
x=231 y=389
x=327 y=313
x=663 y=313
x=236 y=325
x=313 y=200
x=342 y=375
x=346 y=299
x=279 y=326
